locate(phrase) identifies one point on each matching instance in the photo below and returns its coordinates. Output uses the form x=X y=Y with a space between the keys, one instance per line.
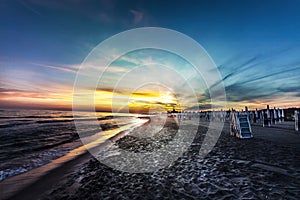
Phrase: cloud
x=30 y=7
x=104 y=17
x=268 y=77
x=90 y=68
x=110 y=90
x=65 y=68
x=6 y=90
x=15 y=94
x=290 y=88
x=137 y=16
x=237 y=93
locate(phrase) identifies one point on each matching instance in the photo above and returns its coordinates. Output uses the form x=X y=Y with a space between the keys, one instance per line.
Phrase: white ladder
x=240 y=125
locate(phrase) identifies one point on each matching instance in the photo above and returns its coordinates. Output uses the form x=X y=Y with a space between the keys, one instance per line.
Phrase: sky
x=254 y=44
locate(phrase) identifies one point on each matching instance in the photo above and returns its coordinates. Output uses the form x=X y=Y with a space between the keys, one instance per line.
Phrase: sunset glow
x=39 y=65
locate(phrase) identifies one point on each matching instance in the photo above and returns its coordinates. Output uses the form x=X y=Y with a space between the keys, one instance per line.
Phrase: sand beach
x=264 y=167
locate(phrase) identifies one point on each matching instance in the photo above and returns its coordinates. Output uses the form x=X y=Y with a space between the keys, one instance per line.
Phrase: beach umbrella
x=255 y=118
x=268 y=112
x=279 y=114
x=268 y=115
x=213 y=115
x=275 y=115
x=263 y=118
x=297 y=124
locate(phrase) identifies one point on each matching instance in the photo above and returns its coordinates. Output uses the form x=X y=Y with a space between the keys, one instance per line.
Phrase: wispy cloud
x=65 y=68
x=6 y=90
x=33 y=99
x=263 y=77
x=30 y=7
x=137 y=16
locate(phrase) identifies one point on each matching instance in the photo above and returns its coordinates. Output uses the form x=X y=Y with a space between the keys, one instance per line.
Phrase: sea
x=32 y=138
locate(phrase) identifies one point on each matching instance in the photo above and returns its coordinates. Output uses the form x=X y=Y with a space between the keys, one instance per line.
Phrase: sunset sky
x=255 y=45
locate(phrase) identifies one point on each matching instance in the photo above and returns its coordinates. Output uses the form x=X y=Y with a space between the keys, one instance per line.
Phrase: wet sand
x=265 y=167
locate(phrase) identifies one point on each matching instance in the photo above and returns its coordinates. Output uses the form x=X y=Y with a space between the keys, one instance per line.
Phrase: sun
x=158 y=99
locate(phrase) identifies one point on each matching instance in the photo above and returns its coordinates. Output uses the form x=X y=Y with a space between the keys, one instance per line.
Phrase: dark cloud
x=5 y=90
x=287 y=88
x=236 y=92
x=200 y=107
x=244 y=80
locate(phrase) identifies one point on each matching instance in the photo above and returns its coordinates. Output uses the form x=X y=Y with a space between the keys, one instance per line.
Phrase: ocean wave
x=30 y=140
x=54 y=121
x=38 y=116
x=12 y=124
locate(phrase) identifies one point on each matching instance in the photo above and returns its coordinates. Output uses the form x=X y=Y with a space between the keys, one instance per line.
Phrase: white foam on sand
x=13 y=184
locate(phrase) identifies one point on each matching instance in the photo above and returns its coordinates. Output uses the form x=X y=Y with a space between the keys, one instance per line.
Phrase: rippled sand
x=235 y=169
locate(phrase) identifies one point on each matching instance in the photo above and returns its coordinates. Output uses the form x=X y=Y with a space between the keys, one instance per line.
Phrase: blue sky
x=255 y=44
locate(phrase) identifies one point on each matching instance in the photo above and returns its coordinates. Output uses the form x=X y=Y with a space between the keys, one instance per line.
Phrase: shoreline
x=262 y=163
x=16 y=186
x=20 y=187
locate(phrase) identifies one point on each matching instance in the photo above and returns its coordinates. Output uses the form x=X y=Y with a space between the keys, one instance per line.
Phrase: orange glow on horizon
x=107 y=100
x=143 y=102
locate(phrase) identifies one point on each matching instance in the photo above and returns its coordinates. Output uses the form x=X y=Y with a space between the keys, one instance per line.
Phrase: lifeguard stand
x=240 y=125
